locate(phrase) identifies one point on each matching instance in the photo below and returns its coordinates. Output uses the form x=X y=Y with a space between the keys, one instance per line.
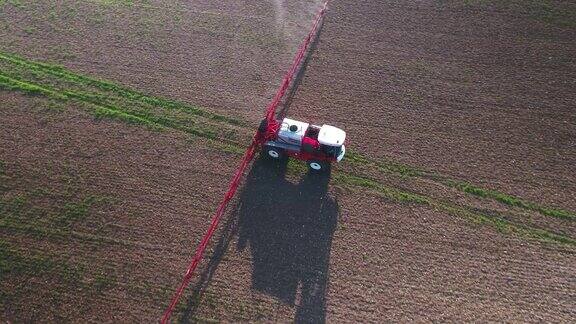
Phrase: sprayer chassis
x=318 y=146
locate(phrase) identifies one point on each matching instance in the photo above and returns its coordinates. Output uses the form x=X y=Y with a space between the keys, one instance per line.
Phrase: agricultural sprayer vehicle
x=317 y=145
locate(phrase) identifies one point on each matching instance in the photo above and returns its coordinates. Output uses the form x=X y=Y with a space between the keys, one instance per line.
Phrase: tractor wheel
x=274 y=152
x=317 y=166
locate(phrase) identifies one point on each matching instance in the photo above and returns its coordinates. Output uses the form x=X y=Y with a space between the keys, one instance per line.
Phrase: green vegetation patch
x=61 y=73
x=45 y=208
x=103 y=110
x=505 y=226
x=15 y=261
x=385 y=166
x=39 y=231
x=29 y=88
x=15 y=3
x=403 y=170
x=393 y=194
x=508 y=199
x=17 y=265
x=128 y=3
x=494 y=221
x=295 y=167
x=554 y=12
x=109 y=100
x=46 y=213
x=73 y=212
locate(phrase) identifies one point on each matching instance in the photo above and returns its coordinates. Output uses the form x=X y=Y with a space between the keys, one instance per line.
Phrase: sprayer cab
x=317 y=145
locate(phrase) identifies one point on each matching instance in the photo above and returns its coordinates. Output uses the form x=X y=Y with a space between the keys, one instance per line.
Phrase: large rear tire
x=317 y=166
x=274 y=153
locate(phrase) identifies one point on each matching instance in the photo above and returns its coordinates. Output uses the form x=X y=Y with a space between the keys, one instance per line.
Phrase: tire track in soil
x=74 y=80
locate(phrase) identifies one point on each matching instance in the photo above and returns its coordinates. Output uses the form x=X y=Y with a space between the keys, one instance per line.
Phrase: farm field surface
x=121 y=123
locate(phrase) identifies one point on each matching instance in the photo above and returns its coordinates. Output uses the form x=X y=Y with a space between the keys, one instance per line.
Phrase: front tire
x=274 y=153
x=317 y=166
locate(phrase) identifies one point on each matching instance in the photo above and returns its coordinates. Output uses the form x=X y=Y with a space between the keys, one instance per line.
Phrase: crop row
x=462 y=186
x=109 y=100
x=106 y=99
x=134 y=97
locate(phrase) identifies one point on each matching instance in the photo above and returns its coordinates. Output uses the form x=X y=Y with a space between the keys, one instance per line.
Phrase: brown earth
x=384 y=262
x=482 y=94
x=227 y=56
x=462 y=91
x=162 y=188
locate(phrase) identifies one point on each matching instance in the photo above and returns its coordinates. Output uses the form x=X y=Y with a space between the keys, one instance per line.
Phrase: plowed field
x=121 y=123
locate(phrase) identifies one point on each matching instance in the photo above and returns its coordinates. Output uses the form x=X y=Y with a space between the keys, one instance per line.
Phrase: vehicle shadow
x=288 y=229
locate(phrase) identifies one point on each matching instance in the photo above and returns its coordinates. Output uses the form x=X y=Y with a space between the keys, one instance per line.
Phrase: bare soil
x=484 y=94
x=161 y=189
x=471 y=91
x=383 y=262
x=227 y=56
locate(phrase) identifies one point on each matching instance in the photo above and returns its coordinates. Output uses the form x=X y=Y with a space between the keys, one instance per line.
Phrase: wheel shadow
x=288 y=229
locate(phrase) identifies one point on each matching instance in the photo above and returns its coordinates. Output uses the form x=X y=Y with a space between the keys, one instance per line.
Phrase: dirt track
x=465 y=92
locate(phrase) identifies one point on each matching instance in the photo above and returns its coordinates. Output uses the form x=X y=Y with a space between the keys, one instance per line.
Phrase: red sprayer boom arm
x=259 y=138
